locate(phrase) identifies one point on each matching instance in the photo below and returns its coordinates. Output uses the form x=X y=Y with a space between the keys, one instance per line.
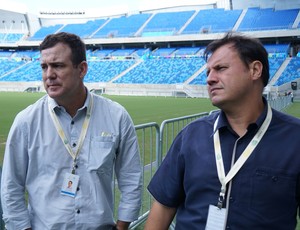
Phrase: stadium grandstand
x=156 y=52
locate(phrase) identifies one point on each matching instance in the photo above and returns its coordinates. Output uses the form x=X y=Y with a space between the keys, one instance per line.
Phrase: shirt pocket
x=102 y=154
x=273 y=193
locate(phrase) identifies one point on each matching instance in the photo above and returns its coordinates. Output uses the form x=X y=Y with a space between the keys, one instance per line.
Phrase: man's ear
x=83 y=67
x=256 y=68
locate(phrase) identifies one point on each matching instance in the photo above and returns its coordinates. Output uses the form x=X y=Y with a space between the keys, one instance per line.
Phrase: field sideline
x=141 y=109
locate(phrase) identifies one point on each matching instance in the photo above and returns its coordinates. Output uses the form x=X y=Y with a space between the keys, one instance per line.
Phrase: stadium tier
x=290 y=73
x=162 y=66
x=143 y=24
x=268 y=19
x=168 y=45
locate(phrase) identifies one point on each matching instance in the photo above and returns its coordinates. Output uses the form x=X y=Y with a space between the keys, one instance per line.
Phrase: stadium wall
x=21 y=86
x=179 y=90
x=166 y=90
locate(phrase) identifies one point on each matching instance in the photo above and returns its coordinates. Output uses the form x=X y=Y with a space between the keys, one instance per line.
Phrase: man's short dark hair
x=77 y=46
x=249 y=50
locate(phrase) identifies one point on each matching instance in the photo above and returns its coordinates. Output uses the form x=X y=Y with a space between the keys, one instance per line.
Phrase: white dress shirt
x=36 y=160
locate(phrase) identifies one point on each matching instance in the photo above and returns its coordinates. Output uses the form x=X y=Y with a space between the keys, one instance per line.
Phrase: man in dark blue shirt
x=238 y=168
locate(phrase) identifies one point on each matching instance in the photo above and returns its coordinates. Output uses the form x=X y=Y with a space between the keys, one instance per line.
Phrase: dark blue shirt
x=264 y=193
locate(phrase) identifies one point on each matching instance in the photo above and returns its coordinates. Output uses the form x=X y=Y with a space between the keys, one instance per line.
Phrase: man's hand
x=122 y=225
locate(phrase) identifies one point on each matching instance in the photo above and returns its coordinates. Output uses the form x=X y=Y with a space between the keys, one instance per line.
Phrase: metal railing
x=281 y=103
x=154 y=142
x=169 y=130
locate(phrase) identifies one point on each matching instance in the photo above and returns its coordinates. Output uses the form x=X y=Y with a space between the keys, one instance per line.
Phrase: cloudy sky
x=34 y=6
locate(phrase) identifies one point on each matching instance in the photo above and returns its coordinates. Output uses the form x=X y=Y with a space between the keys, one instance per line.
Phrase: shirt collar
x=54 y=106
x=223 y=122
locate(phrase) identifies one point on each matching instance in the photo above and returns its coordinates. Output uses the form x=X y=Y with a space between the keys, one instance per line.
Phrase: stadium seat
x=203 y=22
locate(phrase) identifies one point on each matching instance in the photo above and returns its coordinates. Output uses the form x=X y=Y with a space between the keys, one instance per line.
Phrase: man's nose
x=211 y=77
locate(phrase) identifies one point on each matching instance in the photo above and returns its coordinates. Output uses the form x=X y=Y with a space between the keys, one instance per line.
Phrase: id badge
x=70 y=185
x=216 y=218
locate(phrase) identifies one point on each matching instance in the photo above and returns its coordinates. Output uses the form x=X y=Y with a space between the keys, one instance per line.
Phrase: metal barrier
x=154 y=142
x=281 y=103
x=148 y=138
x=169 y=130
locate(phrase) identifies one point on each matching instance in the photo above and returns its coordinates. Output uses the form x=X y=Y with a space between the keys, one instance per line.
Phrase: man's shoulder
x=207 y=119
x=99 y=99
x=202 y=124
x=286 y=118
x=106 y=104
x=32 y=110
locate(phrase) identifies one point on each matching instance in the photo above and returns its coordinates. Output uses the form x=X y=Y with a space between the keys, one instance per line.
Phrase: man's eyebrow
x=53 y=63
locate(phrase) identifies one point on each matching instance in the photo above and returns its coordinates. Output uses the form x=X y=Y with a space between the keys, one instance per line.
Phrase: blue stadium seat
x=11 y=37
x=162 y=71
x=166 y=23
x=84 y=30
x=200 y=79
x=187 y=51
x=122 y=52
x=100 y=54
x=44 y=31
x=163 y=52
x=290 y=73
x=124 y=26
x=277 y=49
x=7 y=65
x=6 y=54
x=104 y=71
x=213 y=21
x=29 y=71
x=275 y=63
x=268 y=19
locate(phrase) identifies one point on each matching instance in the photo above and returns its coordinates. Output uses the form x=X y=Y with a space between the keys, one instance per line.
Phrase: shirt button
x=274 y=178
x=78 y=188
x=231 y=199
x=74 y=144
x=78 y=211
x=72 y=122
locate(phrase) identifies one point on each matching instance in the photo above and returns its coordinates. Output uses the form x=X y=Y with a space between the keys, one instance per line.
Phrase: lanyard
x=63 y=137
x=242 y=159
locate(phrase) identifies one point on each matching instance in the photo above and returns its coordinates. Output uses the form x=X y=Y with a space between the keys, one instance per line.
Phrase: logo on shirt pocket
x=102 y=154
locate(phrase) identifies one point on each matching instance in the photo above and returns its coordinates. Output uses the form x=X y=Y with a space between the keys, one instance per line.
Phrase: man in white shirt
x=70 y=134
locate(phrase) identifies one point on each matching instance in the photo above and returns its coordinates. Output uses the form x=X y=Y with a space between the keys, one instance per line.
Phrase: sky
x=34 y=6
